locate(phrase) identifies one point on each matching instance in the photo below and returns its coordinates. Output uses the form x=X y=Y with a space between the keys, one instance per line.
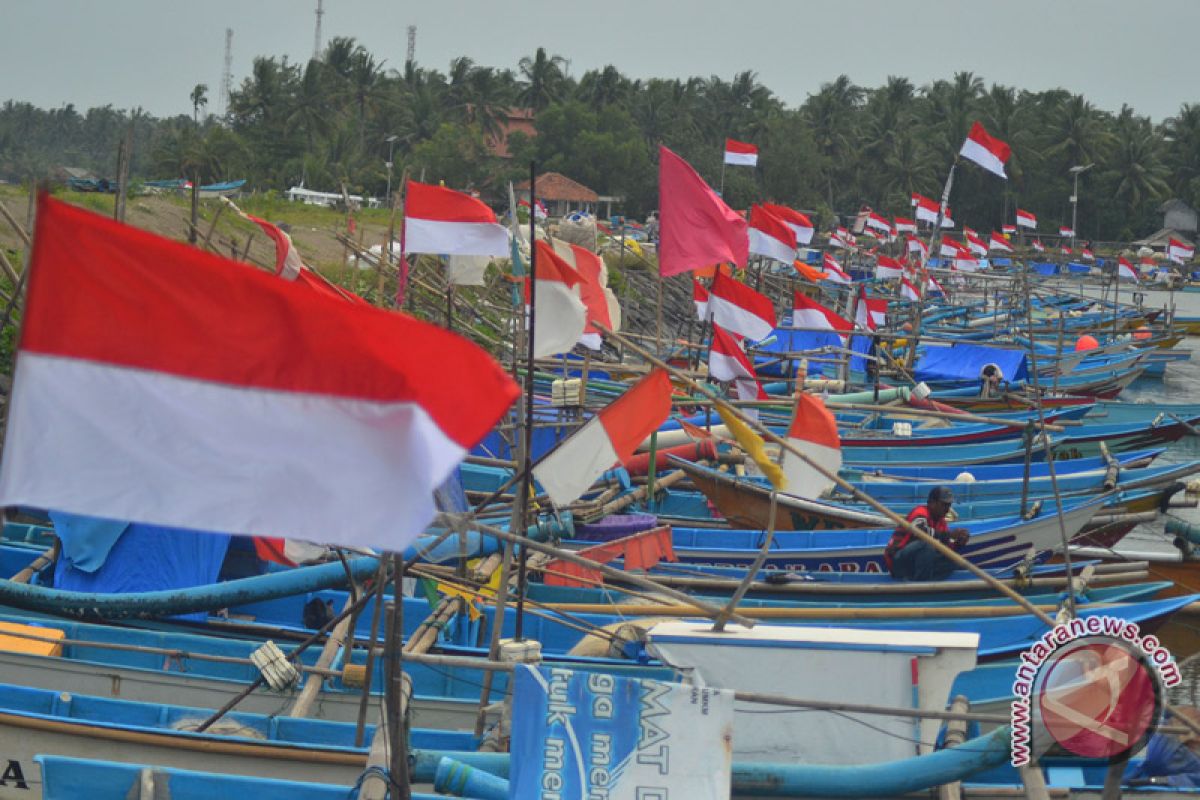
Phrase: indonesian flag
x=1086 y=254
x=1066 y=232
x=771 y=236
x=905 y=225
x=1008 y=230
x=1026 y=219
x=700 y=298
x=697 y=228
x=1037 y=245
x=740 y=154
x=1125 y=270
x=975 y=244
x=966 y=263
x=441 y=220
x=986 y=150
x=931 y=285
x=834 y=270
x=915 y=245
x=998 y=242
x=600 y=301
x=610 y=437
x=739 y=309
x=800 y=223
x=162 y=384
x=869 y=313
x=952 y=249
x=561 y=316
x=947 y=220
x=1179 y=252
x=886 y=268
x=539 y=210
x=908 y=291
x=927 y=210
x=814 y=433
x=289 y=552
x=287 y=261
x=1066 y=251
x=809 y=314
x=727 y=362
x=878 y=223
x=840 y=238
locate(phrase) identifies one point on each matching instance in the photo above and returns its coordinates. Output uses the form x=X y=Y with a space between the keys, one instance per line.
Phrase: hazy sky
x=151 y=53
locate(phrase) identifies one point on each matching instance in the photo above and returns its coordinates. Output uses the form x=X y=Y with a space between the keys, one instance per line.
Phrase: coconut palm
x=543 y=76
x=199 y=98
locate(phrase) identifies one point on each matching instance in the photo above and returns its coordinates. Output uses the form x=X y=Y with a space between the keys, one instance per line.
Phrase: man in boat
x=911 y=559
x=990 y=378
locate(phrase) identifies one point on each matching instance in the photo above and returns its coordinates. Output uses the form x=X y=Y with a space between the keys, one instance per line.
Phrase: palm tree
x=199 y=100
x=831 y=113
x=1182 y=134
x=543 y=79
x=1136 y=163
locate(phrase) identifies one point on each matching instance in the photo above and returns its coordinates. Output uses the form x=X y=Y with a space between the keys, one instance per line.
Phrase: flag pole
x=937 y=229
x=527 y=482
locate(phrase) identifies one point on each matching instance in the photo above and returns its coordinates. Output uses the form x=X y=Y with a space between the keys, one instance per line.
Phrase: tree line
x=337 y=119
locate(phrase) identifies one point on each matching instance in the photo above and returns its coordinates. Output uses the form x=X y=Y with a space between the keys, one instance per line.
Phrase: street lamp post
x=391 y=140
x=1075 y=198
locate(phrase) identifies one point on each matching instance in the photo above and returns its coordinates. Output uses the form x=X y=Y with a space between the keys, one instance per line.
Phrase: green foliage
x=338 y=119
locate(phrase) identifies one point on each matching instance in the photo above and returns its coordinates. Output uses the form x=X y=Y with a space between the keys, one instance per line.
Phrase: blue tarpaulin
x=1078 y=269
x=786 y=340
x=139 y=558
x=965 y=362
x=1045 y=268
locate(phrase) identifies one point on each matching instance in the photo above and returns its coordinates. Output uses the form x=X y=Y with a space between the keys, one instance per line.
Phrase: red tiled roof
x=553 y=186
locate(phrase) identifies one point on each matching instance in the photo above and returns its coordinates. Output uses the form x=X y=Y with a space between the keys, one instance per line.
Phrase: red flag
x=770 y=236
x=697 y=228
x=739 y=309
x=740 y=154
x=798 y=222
x=1026 y=219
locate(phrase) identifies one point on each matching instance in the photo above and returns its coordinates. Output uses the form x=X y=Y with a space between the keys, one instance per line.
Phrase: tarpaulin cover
x=964 y=362
x=786 y=340
x=143 y=558
x=1078 y=269
x=1045 y=268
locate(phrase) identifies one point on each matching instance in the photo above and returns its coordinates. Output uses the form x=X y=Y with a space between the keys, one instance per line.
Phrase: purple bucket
x=615 y=526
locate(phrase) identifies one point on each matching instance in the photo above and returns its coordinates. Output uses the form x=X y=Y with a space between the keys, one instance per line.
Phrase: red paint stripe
x=105 y=292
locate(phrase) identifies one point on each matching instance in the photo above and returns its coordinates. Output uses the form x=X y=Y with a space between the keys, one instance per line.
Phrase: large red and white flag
x=927 y=210
x=905 y=225
x=800 y=223
x=561 y=316
x=740 y=154
x=610 y=437
x=700 y=299
x=739 y=309
x=1037 y=246
x=986 y=150
x=833 y=270
x=975 y=244
x=951 y=248
x=908 y=291
x=441 y=220
x=727 y=360
x=770 y=236
x=1065 y=232
x=915 y=245
x=599 y=301
x=870 y=313
x=1125 y=270
x=880 y=225
x=697 y=228
x=161 y=384
x=1026 y=219
x=809 y=314
x=814 y=433
x=1180 y=252
x=998 y=242
x=887 y=268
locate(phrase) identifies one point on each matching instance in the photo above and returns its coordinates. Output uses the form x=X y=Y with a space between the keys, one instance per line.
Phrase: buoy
x=964 y=477
x=1086 y=342
x=1142 y=333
